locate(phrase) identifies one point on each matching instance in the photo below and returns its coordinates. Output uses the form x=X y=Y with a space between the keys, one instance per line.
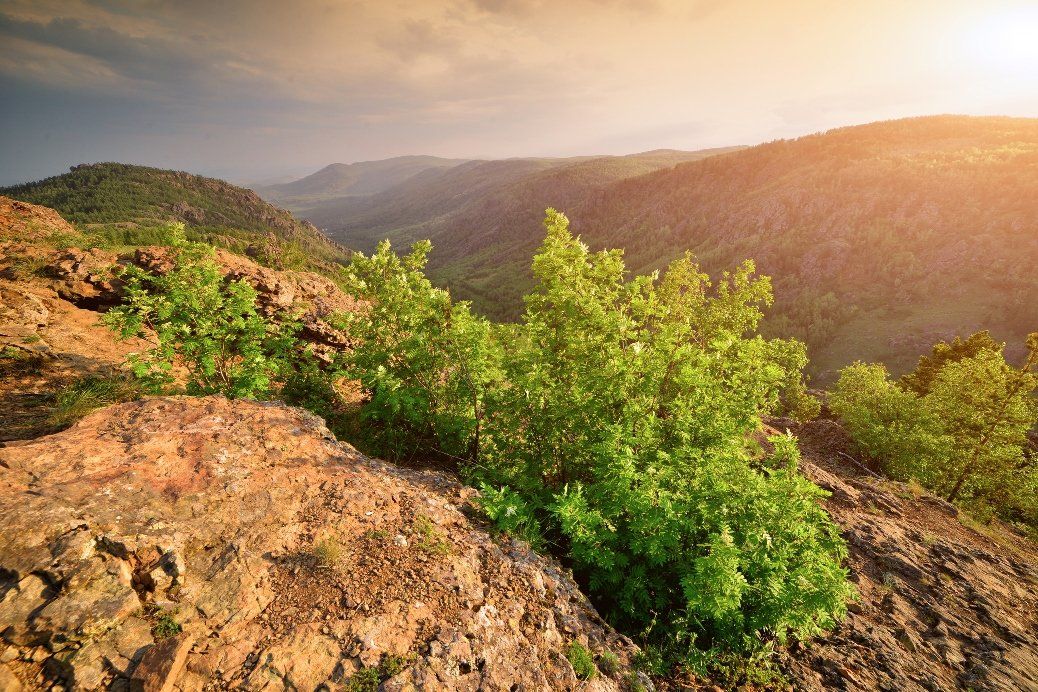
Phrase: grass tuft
x=429 y=539
x=581 y=660
x=88 y=394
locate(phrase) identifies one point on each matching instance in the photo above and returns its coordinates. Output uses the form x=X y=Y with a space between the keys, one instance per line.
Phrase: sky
x=256 y=89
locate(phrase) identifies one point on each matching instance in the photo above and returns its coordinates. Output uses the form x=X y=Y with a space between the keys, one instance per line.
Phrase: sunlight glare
x=1006 y=42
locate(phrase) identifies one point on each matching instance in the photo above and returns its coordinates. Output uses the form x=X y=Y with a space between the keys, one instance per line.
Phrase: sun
x=1004 y=41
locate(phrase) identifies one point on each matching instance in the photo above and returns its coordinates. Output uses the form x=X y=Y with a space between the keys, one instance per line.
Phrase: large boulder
x=190 y=543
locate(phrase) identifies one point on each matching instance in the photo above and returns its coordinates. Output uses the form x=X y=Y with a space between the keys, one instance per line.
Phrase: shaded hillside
x=125 y=203
x=352 y=179
x=485 y=213
x=880 y=238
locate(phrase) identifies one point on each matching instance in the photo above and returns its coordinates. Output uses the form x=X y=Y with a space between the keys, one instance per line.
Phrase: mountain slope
x=880 y=238
x=352 y=179
x=125 y=201
x=484 y=211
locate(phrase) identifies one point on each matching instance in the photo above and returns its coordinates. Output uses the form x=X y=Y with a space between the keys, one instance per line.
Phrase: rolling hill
x=484 y=211
x=352 y=179
x=880 y=238
x=129 y=205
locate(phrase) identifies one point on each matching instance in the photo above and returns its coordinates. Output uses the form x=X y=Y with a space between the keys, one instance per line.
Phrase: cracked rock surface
x=201 y=543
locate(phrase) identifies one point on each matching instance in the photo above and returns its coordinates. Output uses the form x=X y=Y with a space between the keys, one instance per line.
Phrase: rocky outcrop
x=193 y=543
x=88 y=278
x=24 y=222
x=944 y=604
x=55 y=343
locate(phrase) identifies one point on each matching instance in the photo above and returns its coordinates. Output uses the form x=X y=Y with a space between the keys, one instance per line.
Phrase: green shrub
x=424 y=361
x=511 y=514
x=890 y=424
x=614 y=420
x=958 y=424
x=582 y=661
x=210 y=327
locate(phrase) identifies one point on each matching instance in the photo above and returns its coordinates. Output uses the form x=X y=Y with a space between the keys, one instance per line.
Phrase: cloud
x=267 y=83
x=148 y=58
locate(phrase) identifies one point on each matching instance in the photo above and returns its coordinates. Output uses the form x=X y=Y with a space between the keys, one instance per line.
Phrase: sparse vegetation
x=609 y=663
x=582 y=661
x=369 y=679
x=327 y=552
x=165 y=626
x=17 y=361
x=428 y=538
x=87 y=394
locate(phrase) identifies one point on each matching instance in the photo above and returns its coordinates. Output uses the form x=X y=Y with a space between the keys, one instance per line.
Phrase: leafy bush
x=614 y=420
x=957 y=424
x=511 y=514
x=889 y=423
x=425 y=362
x=210 y=327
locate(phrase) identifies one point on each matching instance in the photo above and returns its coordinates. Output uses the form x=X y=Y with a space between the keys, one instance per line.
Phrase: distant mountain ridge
x=464 y=205
x=353 y=179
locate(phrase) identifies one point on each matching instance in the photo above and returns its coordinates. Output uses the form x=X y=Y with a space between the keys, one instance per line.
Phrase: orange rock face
x=276 y=550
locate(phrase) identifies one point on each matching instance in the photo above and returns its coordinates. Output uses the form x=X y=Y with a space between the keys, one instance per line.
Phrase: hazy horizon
x=256 y=90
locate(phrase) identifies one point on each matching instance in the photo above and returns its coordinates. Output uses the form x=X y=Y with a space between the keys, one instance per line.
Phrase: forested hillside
x=484 y=217
x=880 y=238
x=505 y=197
x=132 y=205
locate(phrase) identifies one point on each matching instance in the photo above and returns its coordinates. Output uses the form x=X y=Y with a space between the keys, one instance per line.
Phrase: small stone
x=400 y=540
x=162 y=664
